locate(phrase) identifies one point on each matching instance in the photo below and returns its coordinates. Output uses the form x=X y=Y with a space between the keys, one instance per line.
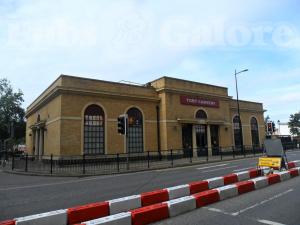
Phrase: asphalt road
x=277 y=204
x=22 y=195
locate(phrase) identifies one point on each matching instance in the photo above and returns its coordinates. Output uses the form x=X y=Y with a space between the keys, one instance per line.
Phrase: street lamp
x=238 y=107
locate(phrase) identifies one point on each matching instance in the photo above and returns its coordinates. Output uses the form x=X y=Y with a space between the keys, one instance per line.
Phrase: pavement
x=22 y=195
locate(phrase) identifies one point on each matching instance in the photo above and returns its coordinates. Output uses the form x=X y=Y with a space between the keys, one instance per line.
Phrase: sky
x=139 y=41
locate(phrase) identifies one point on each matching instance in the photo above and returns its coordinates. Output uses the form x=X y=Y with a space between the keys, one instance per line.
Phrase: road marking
x=270 y=222
x=262 y=202
x=207 y=171
x=217 y=210
x=207 y=167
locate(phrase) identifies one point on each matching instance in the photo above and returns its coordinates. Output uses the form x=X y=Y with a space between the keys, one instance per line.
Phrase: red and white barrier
x=117 y=219
x=215 y=182
x=58 y=217
x=260 y=182
x=149 y=214
x=153 y=197
x=181 y=205
x=8 y=222
x=227 y=191
x=178 y=191
x=284 y=175
x=124 y=204
x=198 y=186
x=87 y=212
x=243 y=175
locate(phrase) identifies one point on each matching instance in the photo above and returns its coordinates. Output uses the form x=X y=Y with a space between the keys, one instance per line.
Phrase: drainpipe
x=158 y=131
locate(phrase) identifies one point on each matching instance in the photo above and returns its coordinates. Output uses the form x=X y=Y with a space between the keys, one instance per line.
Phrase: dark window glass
x=135 y=131
x=254 y=132
x=237 y=132
x=201 y=114
x=94 y=130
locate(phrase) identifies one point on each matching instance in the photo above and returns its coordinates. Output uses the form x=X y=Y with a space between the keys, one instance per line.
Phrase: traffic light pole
x=238 y=108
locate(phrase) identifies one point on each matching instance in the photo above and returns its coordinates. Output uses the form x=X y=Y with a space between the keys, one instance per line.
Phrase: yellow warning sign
x=269 y=161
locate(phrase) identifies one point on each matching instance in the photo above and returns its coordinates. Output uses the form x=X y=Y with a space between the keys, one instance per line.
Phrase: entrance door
x=201 y=139
x=214 y=133
x=187 y=139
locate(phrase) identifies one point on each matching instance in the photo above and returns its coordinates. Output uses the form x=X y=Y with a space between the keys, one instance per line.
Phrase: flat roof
x=179 y=79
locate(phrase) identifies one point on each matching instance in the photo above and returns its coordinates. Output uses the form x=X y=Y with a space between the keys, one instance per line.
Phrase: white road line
x=270 y=222
x=207 y=171
x=262 y=202
x=207 y=167
x=217 y=210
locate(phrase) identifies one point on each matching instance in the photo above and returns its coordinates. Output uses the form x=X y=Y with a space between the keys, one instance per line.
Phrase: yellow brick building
x=77 y=115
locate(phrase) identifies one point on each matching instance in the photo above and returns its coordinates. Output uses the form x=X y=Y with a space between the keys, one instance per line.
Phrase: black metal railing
x=121 y=162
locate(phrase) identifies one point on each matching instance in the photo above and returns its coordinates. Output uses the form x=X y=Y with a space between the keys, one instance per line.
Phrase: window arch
x=254 y=132
x=237 y=131
x=94 y=130
x=201 y=114
x=135 y=131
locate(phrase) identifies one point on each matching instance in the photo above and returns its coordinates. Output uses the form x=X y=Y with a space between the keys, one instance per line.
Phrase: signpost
x=275 y=156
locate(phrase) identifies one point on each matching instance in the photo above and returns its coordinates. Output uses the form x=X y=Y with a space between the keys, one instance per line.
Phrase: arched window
x=254 y=132
x=94 y=130
x=237 y=132
x=135 y=131
x=201 y=114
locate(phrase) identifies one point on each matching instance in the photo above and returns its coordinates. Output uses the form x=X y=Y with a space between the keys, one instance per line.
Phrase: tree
x=12 y=115
x=294 y=124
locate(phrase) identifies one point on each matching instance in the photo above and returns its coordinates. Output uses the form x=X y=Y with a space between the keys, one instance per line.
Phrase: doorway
x=201 y=139
x=214 y=133
x=187 y=139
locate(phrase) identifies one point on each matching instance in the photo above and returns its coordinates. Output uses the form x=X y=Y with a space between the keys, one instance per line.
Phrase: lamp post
x=238 y=106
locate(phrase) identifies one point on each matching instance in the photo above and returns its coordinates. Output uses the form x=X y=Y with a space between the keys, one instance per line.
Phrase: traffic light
x=269 y=127
x=122 y=124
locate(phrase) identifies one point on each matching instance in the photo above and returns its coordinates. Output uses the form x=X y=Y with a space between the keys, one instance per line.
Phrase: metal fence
x=120 y=163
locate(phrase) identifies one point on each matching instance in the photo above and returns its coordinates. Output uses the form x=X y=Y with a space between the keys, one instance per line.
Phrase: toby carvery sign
x=196 y=101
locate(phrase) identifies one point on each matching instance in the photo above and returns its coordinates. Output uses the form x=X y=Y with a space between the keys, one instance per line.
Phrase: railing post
x=253 y=149
x=128 y=158
x=233 y=153
x=118 y=162
x=172 y=163
x=26 y=162
x=13 y=161
x=148 y=159
x=220 y=151
x=207 y=154
x=51 y=164
x=83 y=163
x=191 y=152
